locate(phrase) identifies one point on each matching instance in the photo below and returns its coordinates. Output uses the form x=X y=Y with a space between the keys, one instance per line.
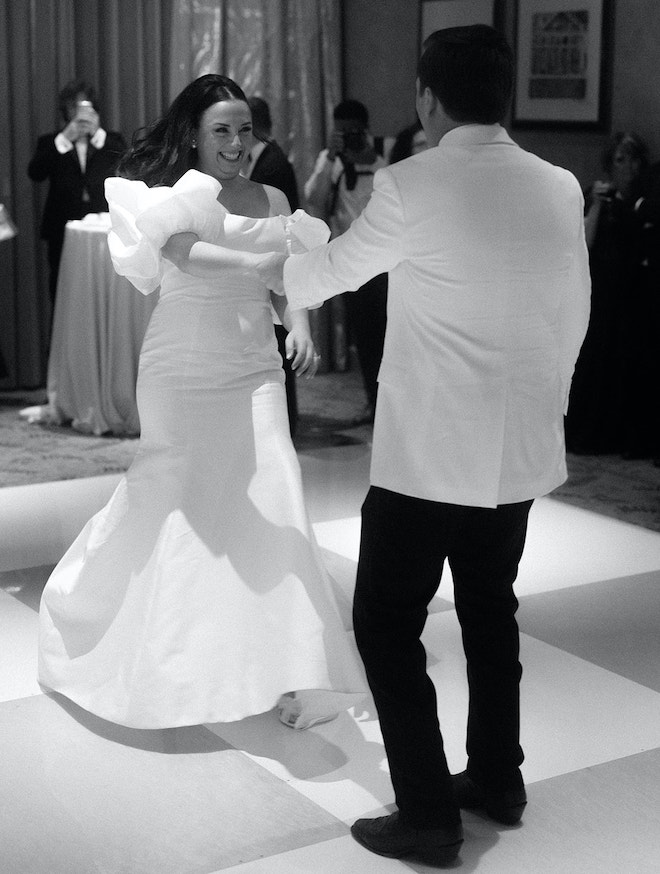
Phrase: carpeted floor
x=625 y=490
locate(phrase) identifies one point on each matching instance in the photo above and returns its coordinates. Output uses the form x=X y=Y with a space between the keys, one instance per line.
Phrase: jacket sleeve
x=42 y=162
x=372 y=245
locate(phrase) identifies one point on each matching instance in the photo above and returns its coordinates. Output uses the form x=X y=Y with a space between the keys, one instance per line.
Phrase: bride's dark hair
x=162 y=152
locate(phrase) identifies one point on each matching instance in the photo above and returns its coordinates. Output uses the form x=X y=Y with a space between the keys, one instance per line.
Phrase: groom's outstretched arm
x=372 y=245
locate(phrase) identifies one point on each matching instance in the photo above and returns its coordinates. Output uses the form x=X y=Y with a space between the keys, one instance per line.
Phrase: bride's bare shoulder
x=277 y=200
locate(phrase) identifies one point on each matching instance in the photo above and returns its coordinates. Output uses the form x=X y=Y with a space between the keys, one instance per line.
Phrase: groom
x=488 y=307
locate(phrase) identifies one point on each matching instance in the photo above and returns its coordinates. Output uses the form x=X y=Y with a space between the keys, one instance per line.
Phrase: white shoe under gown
x=197 y=594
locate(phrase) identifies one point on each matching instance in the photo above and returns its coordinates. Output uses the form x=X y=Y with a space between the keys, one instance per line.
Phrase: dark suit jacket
x=272 y=167
x=67 y=181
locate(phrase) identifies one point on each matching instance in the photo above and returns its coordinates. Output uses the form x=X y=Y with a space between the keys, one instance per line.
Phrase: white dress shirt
x=63 y=144
x=488 y=304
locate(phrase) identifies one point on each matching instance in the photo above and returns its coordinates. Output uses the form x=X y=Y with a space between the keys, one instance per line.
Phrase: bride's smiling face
x=224 y=138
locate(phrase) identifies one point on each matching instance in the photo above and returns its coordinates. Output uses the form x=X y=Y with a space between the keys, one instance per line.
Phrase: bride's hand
x=270 y=269
x=301 y=353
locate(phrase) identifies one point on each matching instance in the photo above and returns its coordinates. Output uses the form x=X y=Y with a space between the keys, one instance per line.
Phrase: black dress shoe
x=388 y=836
x=505 y=807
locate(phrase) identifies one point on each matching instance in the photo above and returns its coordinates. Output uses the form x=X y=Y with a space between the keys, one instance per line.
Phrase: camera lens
x=354 y=140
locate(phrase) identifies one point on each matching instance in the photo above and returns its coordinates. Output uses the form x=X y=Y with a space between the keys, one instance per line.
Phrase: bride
x=197 y=593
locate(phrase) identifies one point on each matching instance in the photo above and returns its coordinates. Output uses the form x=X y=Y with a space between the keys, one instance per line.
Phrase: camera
x=355 y=141
x=608 y=195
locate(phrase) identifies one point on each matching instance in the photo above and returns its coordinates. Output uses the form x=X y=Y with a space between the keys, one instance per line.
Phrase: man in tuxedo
x=76 y=161
x=267 y=162
x=488 y=306
x=269 y=165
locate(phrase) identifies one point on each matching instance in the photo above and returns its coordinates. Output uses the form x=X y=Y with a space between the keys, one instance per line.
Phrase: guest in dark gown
x=647 y=209
x=605 y=402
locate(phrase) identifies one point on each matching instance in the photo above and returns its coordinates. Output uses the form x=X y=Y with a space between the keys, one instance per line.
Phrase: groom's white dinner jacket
x=488 y=305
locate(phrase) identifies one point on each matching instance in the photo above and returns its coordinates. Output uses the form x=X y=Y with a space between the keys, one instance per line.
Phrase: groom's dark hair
x=470 y=71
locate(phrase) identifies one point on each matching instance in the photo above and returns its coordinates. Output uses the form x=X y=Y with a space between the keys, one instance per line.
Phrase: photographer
x=337 y=191
x=76 y=161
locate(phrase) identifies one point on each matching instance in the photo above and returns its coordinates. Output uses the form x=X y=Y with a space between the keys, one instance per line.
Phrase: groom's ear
x=427 y=100
x=426 y=104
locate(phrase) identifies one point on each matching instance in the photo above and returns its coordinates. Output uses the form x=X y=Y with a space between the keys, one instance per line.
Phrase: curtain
x=122 y=48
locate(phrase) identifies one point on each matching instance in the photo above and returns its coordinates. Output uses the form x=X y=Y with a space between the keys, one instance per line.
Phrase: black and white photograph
x=329 y=436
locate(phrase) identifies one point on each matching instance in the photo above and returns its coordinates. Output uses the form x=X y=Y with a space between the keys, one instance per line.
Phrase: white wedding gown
x=197 y=594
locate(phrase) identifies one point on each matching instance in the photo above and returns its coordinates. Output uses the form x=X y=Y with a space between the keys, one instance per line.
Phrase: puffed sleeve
x=143 y=219
x=303 y=233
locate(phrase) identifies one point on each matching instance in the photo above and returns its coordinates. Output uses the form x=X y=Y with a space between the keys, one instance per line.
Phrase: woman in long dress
x=197 y=594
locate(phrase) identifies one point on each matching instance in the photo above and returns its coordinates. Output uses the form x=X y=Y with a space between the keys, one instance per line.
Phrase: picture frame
x=563 y=55
x=437 y=14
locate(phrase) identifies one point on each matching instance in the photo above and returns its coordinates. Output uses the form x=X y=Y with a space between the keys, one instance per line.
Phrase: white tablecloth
x=98 y=327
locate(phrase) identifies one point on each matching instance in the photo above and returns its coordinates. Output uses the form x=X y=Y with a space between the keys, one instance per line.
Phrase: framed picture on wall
x=436 y=14
x=562 y=63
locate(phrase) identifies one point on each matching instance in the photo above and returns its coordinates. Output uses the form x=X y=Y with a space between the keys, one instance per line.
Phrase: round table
x=98 y=326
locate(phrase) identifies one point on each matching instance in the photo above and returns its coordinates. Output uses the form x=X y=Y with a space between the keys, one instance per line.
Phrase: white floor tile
x=39 y=522
x=584 y=727
x=80 y=795
x=566 y=546
x=574 y=715
x=18 y=649
x=339 y=856
x=339 y=765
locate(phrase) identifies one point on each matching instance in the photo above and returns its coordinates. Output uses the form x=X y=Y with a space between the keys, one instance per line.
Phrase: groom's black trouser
x=403 y=547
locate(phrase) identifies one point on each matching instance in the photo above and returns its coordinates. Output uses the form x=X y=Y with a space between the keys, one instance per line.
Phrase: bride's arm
x=208 y=261
x=205 y=260
x=299 y=344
